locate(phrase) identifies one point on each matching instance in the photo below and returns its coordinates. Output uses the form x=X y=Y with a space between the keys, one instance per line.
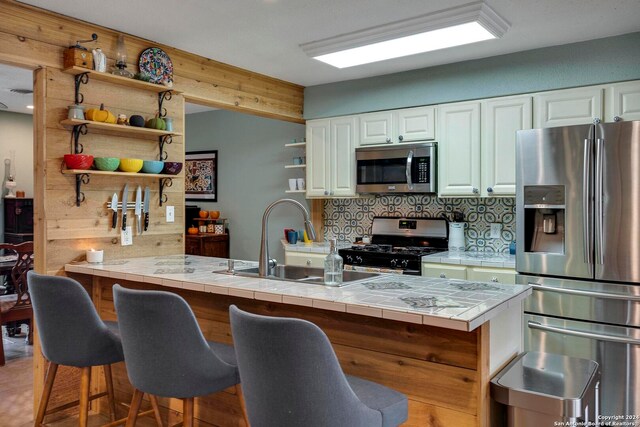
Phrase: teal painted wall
x=251 y=175
x=579 y=64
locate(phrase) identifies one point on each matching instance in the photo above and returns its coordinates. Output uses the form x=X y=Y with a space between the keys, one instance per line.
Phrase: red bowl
x=172 y=168
x=78 y=161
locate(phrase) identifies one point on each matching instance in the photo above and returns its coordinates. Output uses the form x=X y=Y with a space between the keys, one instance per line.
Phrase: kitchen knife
x=138 y=210
x=114 y=208
x=125 y=196
x=146 y=208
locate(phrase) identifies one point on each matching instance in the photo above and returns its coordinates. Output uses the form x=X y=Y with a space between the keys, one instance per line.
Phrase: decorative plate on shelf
x=155 y=63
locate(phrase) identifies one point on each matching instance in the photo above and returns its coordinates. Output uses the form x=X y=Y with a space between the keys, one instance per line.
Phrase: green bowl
x=106 y=163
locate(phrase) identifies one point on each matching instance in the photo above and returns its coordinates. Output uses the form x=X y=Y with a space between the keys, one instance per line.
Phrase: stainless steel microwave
x=403 y=168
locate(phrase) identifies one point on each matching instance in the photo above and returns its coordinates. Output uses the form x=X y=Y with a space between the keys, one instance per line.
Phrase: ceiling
x=264 y=35
x=15 y=78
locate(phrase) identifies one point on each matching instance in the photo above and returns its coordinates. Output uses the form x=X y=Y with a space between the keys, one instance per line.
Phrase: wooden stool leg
x=52 y=369
x=242 y=404
x=110 y=396
x=156 y=410
x=187 y=412
x=85 y=382
x=134 y=408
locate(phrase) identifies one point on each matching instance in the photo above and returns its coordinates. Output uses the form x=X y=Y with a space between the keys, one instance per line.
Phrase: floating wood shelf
x=116 y=173
x=296 y=145
x=123 y=81
x=210 y=219
x=123 y=130
x=295 y=166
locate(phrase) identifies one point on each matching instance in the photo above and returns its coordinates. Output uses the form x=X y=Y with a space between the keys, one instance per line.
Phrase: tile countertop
x=451 y=304
x=484 y=259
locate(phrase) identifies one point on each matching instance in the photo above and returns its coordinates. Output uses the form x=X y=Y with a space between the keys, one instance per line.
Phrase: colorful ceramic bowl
x=106 y=163
x=152 y=166
x=131 y=165
x=78 y=161
x=172 y=168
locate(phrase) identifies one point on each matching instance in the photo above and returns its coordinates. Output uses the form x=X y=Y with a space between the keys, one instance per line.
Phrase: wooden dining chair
x=17 y=307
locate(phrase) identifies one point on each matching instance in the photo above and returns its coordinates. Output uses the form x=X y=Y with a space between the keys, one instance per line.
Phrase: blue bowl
x=152 y=166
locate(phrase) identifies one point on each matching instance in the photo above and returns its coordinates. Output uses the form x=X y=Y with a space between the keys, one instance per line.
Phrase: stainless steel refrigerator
x=578 y=244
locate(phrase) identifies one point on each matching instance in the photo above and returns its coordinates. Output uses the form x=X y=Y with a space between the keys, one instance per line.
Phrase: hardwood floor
x=16 y=390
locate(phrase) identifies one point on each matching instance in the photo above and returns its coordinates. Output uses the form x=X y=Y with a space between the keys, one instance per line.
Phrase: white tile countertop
x=484 y=259
x=314 y=247
x=452 y=304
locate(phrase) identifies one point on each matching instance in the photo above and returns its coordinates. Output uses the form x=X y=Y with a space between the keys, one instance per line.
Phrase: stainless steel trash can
x=541 y=389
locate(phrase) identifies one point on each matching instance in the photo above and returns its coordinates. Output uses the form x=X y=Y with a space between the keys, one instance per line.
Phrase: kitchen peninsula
x=438 y=341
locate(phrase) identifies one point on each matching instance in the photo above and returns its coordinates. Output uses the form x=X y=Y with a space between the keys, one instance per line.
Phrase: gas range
x=398 y=244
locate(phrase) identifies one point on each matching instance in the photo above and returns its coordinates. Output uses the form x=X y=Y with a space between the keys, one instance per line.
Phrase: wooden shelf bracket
x=81 y=178
x=164 y=182
x=82 y=78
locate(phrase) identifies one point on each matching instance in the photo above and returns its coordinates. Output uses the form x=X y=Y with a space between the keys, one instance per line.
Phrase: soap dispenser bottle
x=333 y=266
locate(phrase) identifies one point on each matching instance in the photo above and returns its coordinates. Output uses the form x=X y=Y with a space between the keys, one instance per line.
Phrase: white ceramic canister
x=99 y=60
x=457 y=241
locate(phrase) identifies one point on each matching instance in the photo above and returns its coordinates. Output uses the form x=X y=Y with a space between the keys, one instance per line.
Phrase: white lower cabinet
x=304 y=259
x=331 y=161
x=464 y=272
x=567 y=107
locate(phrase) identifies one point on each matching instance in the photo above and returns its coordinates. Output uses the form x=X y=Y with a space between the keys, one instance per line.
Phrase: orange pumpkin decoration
x=192 y=230
x=100 y=115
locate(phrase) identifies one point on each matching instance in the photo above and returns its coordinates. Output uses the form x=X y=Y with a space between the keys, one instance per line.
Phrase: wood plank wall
x=36 y=39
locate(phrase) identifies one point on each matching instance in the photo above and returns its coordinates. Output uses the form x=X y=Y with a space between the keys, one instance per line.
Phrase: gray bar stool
x=72 y=334
x=166 y=353
x=291 y=377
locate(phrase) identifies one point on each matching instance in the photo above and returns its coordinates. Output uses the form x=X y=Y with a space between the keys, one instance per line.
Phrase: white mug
x=292 y=184
x=300 y=183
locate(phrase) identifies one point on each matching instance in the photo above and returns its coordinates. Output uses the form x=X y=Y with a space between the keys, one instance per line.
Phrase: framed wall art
x=201 y=176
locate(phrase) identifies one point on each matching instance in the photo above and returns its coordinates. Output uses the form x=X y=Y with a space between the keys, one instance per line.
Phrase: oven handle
x=600 y=337
x=408 y=170
x=595 y=294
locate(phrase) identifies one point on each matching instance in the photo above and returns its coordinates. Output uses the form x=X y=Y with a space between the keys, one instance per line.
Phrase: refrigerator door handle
x=598 y=201
x=586 y=209
x=601 y=337
x=593 y=294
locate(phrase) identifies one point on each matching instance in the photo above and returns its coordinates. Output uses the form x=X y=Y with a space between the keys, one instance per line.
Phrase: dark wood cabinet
x=18 y=220
x=213 y=245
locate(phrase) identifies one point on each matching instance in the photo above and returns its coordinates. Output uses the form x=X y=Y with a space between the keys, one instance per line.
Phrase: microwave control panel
x=423 y=169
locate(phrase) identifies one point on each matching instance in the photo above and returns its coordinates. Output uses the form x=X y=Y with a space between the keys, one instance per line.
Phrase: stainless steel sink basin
x=293 y=273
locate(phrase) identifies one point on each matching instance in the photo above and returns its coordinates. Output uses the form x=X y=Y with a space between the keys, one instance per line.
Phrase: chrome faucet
x=265 y=264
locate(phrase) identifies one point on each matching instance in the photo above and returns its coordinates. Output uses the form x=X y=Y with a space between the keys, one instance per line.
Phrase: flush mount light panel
x=456 y=26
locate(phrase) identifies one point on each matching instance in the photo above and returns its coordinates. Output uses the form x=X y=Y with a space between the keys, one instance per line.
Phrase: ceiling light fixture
x=469 y=23
x=30 y=107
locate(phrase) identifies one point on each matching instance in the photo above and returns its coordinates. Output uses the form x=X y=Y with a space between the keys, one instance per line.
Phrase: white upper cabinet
x=331 y=161
x=622 y=100
x=458 y=135
x=318 y=134
x=397 y=126
x=567 y=107
x=501 y=119
x=376 y=128
x=416 y=124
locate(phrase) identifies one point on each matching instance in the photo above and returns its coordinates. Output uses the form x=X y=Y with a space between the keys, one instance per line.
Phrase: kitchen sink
x=294 y=273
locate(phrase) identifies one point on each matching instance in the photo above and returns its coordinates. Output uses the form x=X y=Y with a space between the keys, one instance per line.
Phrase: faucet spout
x=265 y=263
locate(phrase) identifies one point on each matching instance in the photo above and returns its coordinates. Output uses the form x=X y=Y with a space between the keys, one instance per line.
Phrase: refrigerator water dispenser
x=544 y=210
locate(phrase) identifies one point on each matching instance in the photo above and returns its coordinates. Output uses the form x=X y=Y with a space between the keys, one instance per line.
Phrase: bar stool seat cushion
x=391 y=404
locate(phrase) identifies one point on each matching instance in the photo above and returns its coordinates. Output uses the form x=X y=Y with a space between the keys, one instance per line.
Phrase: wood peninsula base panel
x=443 y=372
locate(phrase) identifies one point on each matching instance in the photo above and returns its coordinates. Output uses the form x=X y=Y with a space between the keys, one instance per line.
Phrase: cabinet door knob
x=388 y=140
x=494 y=280
x=331 y=193
x=400 y=138
x=443 y=276
x=308 y=262
x=326 y=193
x=489 y=190
x=475 y=190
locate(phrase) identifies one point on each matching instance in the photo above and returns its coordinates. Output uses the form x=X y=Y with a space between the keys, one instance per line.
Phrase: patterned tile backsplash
x=346 y=219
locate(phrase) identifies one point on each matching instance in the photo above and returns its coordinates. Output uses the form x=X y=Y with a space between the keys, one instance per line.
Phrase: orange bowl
x=203 y=214
x=214 y=214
